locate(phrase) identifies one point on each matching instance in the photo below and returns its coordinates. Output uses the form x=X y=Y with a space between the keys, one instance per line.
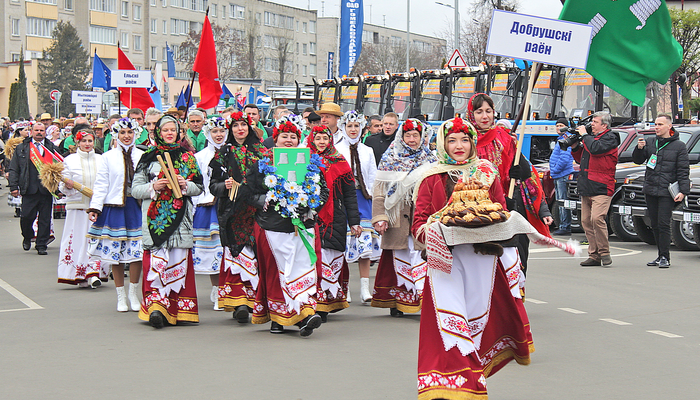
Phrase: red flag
x=133 y=97
x=205 y=66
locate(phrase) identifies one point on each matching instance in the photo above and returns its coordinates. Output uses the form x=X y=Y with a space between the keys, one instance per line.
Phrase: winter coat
x=109 y=184
x=379 y=142
x=598 y=158
x=561 y=162
x=345 y=212
x=671 y=165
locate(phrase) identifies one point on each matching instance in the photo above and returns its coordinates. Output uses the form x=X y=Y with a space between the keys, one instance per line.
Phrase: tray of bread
x=470 y=206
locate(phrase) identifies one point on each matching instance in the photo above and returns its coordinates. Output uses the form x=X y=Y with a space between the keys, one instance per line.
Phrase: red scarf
x=335 y=172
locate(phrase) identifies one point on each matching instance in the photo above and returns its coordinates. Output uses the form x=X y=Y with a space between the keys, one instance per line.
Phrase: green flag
x=632 y=43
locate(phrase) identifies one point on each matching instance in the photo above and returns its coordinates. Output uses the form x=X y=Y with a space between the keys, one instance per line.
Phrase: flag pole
x=194 y=73
x=534 y=73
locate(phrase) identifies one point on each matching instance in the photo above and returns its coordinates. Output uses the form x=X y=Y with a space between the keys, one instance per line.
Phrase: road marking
x=630 y=252
x=573 y=311
x=19 y=296
x=614 y=321
x=535 y=301
x=666 y=334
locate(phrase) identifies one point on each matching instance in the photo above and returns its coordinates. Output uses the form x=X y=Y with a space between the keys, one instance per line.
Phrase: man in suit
x=36 y=199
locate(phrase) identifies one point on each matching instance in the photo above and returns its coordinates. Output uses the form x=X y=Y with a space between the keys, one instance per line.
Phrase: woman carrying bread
x=473 y=320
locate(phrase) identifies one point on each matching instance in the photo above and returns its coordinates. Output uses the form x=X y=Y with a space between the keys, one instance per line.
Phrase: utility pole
x=408 y=34
x=457 y=24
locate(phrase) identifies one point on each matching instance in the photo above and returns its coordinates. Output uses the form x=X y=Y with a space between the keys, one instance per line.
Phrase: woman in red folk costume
x=473 y=320
x=169 y=290
x=398 y=284
x=496 y=145
x=339 y=212
x=238 y=279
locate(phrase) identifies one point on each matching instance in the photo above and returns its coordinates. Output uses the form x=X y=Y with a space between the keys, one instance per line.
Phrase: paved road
x=592 y=330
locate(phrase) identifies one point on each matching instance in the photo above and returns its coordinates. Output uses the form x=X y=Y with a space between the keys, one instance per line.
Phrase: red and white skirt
x=287 y=288
x=169 y=285
x=238 y=280
x=473 y=323
x=332 y=291
x=400 y=279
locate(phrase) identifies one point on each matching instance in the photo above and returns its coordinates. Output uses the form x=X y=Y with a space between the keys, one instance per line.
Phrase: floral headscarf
x=330 y=155
x=165 y=213
x=212 y=123
x=352 y=116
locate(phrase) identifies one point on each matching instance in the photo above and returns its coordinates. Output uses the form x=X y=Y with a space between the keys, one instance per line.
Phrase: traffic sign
x=55 y=95
x=456 y=60
x=85 y=97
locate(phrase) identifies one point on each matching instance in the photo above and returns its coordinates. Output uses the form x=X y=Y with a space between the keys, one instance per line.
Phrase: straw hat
x=330 y=108
x=45 y=116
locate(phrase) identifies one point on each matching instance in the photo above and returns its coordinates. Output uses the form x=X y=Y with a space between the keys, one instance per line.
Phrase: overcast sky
x=427 y=18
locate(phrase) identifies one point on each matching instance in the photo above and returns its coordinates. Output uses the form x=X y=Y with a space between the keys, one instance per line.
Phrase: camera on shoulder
x=572 y=137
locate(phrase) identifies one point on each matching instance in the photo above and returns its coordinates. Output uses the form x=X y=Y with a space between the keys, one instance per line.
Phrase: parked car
x=686 y=216
x=621 y=224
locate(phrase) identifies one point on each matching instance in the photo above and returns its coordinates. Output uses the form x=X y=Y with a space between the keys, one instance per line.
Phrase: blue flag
x=255 y=97
x=226 y=92
x=155 y=94
x=101 y=75
x=351 y=20
x=171 y=61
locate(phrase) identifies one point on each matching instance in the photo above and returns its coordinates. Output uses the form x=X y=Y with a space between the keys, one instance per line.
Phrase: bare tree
x=231 y=50
x=378 y=58
x=284 y=56
x=251 y=63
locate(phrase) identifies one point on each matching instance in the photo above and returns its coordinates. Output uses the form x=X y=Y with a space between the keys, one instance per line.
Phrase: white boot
x=348 y=298
x=94 y=282
x=214 y=297
x=121 y=300
x=365 y=295
x=133 y=298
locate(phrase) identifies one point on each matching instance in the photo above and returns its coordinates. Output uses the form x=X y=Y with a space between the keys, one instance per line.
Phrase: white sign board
x=549 y=41
x=131 y=78
x=116 y=110
x=456 y=60
x=83 y=97
x=88 y=108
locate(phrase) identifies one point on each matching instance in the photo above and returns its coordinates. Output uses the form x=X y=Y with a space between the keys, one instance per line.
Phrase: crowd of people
x=274 y=217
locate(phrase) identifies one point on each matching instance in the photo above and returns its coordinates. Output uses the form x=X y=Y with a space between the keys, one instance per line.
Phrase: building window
x=297 y=48
x=137 y=12
x=15 y=57
x=108 y=6
x=165 y=27
x=164 y=52
x=164 y=3
x=154 y=53
x=154 y=26
x=44 y=1
x=40 y=27
x=15 y=26
x=124 y=43
x=303 y=27
x=258 y=18
x=305 y=70
x=213 y=10
x=312 y=26
x=237 y=12
x=153 y=3
x=297 y=29
x=223 y=11
x=103 y=35
x=290 y=23
x=137 y=42
x=125 y=9
x=304 y=51
x=367 y=36
x=272 y=65
x=312 y=69
x=68 y=5
x=312 y=48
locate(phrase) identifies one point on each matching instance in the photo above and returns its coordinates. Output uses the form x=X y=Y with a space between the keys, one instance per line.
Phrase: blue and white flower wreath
x=288 y=197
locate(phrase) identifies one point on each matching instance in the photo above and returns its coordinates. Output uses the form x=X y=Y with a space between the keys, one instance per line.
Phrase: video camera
x=571 y=135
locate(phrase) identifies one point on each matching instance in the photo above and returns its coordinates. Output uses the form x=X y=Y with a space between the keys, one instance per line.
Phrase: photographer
x=561 y=165
x=667 y=163
x=596 y=152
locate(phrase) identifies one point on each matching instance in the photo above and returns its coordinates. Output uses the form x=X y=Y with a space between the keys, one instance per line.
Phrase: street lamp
x=456 y=8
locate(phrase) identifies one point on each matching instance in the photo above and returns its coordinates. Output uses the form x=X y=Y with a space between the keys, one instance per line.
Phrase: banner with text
x=351 y=21
x=549 y=41
x=85 y=97
x=131 y=78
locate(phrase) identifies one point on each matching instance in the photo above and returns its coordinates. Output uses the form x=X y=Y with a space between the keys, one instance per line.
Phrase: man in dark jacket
x=379 y=142
x=667 y=163
x=597 y=155
x=24 y=179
